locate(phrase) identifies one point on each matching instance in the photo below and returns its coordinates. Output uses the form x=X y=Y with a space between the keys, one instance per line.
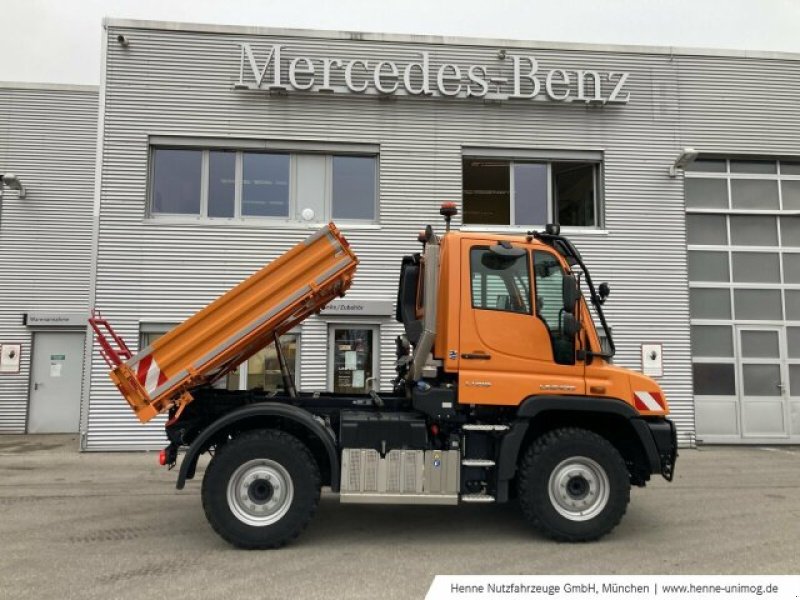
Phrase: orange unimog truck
x=503 y=391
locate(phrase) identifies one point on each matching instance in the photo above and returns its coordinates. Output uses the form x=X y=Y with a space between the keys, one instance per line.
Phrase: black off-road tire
x=279 y=448
x=552 y=451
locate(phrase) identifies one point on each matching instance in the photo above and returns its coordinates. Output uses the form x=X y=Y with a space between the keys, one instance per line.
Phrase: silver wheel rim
x=579 y=488
x=260 y=492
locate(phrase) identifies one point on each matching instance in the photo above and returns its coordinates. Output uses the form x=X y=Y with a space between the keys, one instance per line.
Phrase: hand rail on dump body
x=114 y=350
x=217 y=338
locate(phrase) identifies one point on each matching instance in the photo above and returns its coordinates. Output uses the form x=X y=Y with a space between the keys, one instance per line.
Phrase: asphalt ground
x=112 y=525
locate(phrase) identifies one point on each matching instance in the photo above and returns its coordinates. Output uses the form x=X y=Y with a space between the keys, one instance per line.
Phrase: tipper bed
x=232 y=328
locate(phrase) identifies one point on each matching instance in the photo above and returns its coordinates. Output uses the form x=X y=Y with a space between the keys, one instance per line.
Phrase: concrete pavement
x=113 y=526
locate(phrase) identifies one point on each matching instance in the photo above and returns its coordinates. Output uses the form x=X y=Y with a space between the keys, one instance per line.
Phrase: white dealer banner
x=630 y=587
x=280 y=68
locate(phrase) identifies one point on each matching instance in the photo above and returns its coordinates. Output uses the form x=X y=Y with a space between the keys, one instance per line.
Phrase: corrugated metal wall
x=48 y=139
x=180 y=82
x=169 y=82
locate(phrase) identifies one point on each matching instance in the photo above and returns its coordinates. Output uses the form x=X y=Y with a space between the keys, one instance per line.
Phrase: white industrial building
x=209 y=150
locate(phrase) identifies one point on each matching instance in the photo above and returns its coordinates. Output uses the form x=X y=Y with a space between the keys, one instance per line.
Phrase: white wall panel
x=47 y=139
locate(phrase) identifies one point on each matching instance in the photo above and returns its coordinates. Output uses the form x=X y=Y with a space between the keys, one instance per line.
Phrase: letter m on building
x=248 y=59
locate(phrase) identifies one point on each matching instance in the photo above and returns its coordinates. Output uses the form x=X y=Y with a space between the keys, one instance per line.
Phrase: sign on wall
x=10 y=358
x=652 y=360
x=54 y=319
x=281 y=68
x=350 y=308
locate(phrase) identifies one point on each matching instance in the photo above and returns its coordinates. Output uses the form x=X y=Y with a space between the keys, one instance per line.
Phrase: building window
x=263 y=368
x=177 y=179
x=219 y=184
x=265 y=185
x=743 y=240
x=527 y=193
x=260 y=372
x=149 y=332
x=222 y=184
x=354 y=182
x=487 y=192
x=353 y=359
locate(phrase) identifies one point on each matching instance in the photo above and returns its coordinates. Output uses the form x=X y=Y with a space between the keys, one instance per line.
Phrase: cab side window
x=548 y=279
x=500 y=282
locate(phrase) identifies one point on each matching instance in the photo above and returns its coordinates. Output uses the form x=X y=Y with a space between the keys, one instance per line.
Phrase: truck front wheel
x=573 y=485
x=261 y=489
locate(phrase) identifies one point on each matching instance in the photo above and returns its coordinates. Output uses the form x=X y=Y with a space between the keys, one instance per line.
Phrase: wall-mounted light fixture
x=12 y=182
x=123 y=41
x=501 y=54
x=685 y=158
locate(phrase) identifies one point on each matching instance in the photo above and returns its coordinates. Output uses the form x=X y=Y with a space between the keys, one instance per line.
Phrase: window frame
x=375 y=328
x=293 y=151
x=151 y=179
x=329 y=188
x=244 y=366
x=729 y=176
x=730 y=248
x=548 y=157
x=529 y=310
x=551 y=202
x=291 y=200
x=146 y=328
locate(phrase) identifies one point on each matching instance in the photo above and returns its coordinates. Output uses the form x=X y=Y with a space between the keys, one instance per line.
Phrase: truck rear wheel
x=573 y=485
x=261 y=489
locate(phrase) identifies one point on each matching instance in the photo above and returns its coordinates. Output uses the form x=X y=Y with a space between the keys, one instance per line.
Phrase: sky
x=58 y=41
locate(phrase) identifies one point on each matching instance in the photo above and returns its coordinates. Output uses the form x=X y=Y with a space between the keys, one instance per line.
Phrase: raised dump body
x=232 y=328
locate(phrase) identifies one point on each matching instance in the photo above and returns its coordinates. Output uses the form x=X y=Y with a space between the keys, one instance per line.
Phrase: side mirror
x=570 y=326
x=570 y=293
x=603 y=291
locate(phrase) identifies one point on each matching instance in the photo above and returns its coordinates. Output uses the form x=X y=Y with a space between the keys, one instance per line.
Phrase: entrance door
x=57 y=371
x=764 y=386
x=352 y=359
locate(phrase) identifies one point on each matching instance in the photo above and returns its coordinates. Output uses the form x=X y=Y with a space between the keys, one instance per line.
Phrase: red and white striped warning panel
x=149 y=374
x=652 y=401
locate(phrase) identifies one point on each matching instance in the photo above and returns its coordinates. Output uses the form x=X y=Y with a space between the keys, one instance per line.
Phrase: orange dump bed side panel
x=237 y=324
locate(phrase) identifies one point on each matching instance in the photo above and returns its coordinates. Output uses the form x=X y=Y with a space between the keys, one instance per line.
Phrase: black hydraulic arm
x=288 y=381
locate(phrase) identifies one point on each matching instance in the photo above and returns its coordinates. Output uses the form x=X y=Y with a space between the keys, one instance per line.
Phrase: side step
x=477 y=462
x=477 y=498
x=481 y=427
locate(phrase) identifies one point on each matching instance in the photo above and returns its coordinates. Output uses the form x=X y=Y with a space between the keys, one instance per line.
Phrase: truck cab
x=510 y=322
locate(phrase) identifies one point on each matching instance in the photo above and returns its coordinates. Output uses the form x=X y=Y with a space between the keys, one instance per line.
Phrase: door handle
x=476 y=356
x=35 y=386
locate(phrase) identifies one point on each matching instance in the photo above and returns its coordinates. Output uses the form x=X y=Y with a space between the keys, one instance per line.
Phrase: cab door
x=510 y=344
